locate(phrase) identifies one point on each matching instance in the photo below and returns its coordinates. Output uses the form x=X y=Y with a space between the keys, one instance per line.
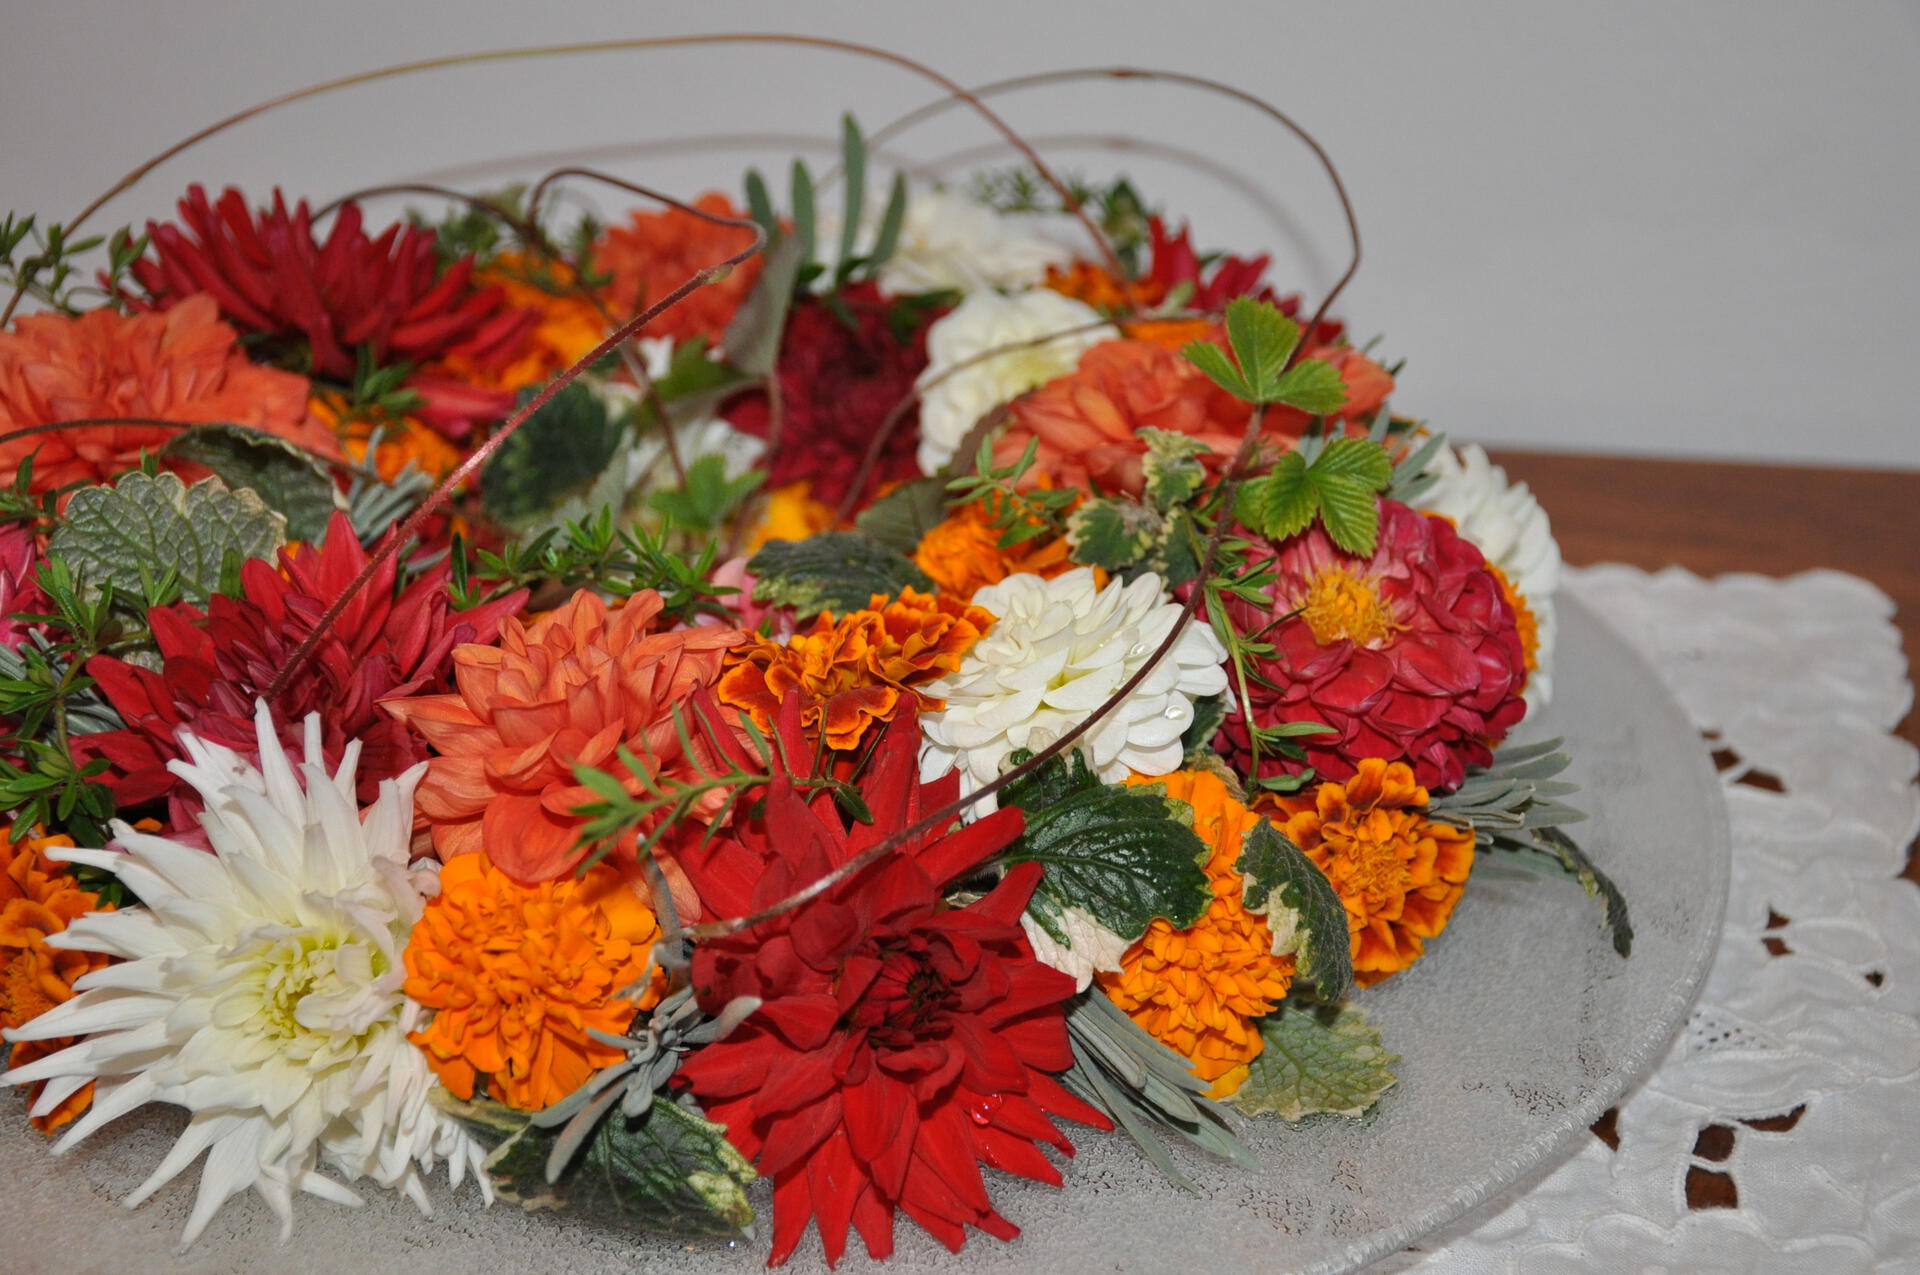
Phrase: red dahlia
x=845 y=363
x=1410 y=655
x=217 y=662
x=275 y=281
x=900 y=1043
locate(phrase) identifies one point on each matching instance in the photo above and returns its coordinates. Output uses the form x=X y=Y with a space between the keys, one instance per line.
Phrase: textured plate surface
x=1518 y=1029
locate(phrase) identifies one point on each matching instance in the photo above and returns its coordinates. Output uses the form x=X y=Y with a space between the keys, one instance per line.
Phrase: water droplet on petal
x=983 y=1109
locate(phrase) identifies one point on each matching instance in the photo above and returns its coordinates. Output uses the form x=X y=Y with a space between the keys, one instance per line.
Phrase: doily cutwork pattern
x=1792 y=1099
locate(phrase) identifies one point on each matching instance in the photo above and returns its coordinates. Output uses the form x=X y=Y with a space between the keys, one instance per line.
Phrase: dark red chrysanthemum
x=217 y=662
x=1410 y=655
x=1215 y=281
x=900 y=1043
x=274 y=281
x=843 y=368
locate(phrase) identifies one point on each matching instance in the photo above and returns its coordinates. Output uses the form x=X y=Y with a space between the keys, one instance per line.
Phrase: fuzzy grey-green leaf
x=833 y=571
x=1317 y=1059
x=291 y=482
x=157 y=522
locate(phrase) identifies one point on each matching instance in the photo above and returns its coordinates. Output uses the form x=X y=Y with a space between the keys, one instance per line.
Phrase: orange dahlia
x=567 y=688
x=1198 y=990
x=655 y=253
x=963 y=554
x=858 y=669
x=516 y=976
x=1398 y=872
x=568 y=325
x=1088 y=423
x=37 y=898
x=181 y=365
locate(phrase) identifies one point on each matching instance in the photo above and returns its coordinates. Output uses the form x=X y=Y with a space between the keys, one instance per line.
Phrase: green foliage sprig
x=592 y=553
x=1018 y=516
x=849 y=264
x=42 y=263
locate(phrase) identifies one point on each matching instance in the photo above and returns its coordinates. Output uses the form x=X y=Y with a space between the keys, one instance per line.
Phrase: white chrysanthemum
x=1091 y=947
x=960 y=385
x=260 y=988
x=1503 y=521
x=1056 y=651
x=948 y=240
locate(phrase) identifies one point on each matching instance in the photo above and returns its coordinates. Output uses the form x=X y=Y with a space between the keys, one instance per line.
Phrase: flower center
x=1339 y=605
x=311 y=995
x=1375 y=860
x=904 y=996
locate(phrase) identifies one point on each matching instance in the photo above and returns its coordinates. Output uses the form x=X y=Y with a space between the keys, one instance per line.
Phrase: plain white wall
x=1626 y=227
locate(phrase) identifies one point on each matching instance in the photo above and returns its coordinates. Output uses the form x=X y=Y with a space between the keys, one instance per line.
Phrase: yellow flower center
x=1337 y=604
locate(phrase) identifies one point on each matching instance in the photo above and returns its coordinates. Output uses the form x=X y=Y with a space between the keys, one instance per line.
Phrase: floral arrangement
x=851 y=692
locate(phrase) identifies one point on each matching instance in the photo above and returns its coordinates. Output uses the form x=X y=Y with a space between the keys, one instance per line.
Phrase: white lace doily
x=1798 y=1075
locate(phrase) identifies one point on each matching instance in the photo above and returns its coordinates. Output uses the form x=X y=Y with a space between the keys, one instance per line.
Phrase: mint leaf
x=1114 y=532
x=1318 y=1059
x=1301 y=906
x=292 y=483
x=1117 y=853
x=155 y=523
x=553 y=461
x=1212 y=360
x=833 y=571
x=1312 y=385
x=1172 y=467
x=902 y=518
x=1262 y=338
x=668 y=1170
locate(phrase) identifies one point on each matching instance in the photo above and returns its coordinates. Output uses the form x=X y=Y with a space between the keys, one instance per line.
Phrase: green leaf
x=1208 y=713
x=552 y=461
x=902 y=518
x=1279 y=503
x=1351 y=514
x=801 y=188
x=853 y=163
x=1114 y=532
x=707 y=497
x=1564 y=852
x=155 y=523
x=1262 y=338
x=1212 y=360
x=1172 y=467
x=891 y=221
x=1301 y=906
x=833 y=571
x=760 y=203
x=1359 y=459
x=291 y=482
x=752 y=339
x=1318 y=1059
x=1311 y=385
x=1117 y=853
x=667 y=1170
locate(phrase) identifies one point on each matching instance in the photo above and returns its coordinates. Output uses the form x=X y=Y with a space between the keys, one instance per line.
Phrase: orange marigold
x=182 y=364
x=1085 y=281
x=403 y=440
x=790 y=513
x=963 y=553
x=517 y=974
x=39 y=897
x=1398 y=872
x=569 y=687
x=569 y=322
x=1523 y=618
x=655 y=253
x=858 y=669
x=1198 y=990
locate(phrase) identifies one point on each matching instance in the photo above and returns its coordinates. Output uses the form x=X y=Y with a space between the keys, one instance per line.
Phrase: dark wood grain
x=1712 y=518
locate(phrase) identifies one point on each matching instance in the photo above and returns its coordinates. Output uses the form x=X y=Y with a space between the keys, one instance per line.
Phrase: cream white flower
x=1503 y=521
x=261 y=988
x=948 y=240
x=1091 y=947
x=960 y=386
x=1057 y=650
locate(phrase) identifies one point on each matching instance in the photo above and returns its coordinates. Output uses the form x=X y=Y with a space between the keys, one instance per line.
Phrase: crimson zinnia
x=844 y=365
x=900 y=1043
x=274 y=280
x=216 y=662
x=1410 y=655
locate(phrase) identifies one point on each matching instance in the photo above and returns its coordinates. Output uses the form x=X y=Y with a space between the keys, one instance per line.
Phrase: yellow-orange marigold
x=1085 y=281
x=790 y=513
x=570 y=324
x=1523 y=618
x=39 y=897
x=857 y=669
x=181 y=364
x=655 y=253
x=517 y=974
x=963 y=553
x=1398 y=872
x=403 y=440
x=1199 y=990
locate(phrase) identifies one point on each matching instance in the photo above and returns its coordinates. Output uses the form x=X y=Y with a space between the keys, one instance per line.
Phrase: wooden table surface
x=1712 y=518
